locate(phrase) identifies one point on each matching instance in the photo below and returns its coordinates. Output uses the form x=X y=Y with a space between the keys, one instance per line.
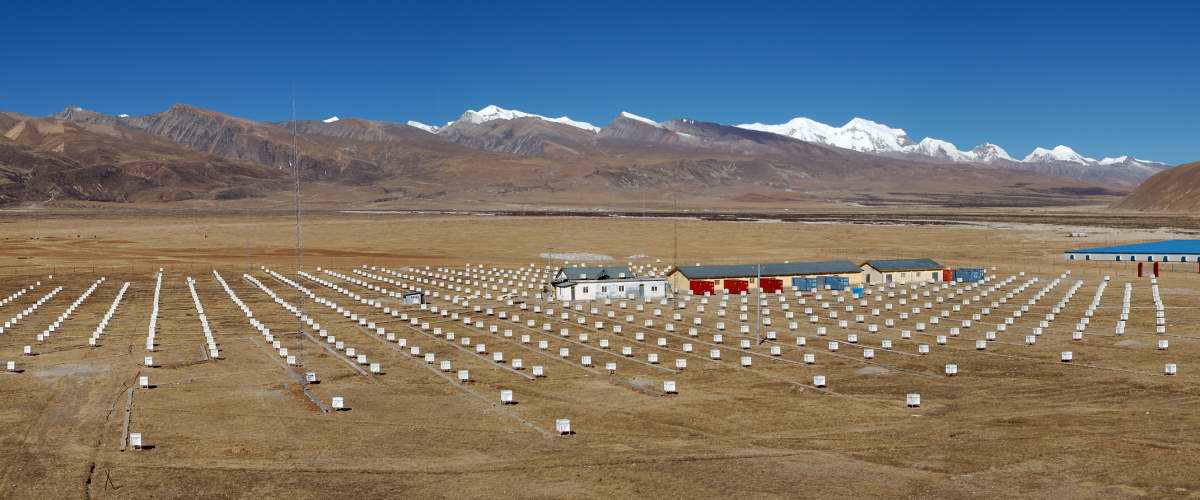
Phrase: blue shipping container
x=834 y=282
x=857 y=291
x=968 y=274
x=805 y=284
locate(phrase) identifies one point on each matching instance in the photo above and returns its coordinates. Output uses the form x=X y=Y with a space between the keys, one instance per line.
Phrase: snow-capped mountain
x=1119 y=159
x=990 y=153
x=858 y=134
x=433 y=129
x=511 y=131
x=498 y=129
x=938 y=148
x=870 y=137
x=494 y=112
x=1062 y=153
x=864 y=135
x=1129 y=160
x=330 y=119
x=1059 y=153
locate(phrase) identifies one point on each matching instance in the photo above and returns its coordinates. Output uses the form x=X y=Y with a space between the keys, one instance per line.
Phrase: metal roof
x=1166 y=247
x=768 y=270
x=596 y=273
x=904 y=265
x=569 y=282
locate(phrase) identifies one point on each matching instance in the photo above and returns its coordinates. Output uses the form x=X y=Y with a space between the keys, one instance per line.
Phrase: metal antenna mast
x=295 y=164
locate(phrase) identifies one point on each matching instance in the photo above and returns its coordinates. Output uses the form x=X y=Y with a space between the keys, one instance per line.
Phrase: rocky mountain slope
x=1175 y=190
x=49 y=159
x=518 y=133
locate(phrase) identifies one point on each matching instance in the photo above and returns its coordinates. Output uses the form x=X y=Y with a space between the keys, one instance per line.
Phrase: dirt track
x=1016 y=422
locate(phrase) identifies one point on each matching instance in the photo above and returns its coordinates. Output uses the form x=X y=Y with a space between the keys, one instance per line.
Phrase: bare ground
x=1014 y=423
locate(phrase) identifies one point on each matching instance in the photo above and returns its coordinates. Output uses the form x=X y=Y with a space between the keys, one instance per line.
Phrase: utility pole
x=758 y=320
x=675 y=226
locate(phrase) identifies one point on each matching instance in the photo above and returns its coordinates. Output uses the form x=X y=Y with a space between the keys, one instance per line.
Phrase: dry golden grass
x=1014 y=423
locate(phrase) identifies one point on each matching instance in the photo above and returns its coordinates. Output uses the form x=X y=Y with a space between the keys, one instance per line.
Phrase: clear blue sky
x=1105 y=78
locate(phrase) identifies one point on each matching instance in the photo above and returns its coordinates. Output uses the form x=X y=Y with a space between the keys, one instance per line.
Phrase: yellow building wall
x=898 y=277
x=679 y=282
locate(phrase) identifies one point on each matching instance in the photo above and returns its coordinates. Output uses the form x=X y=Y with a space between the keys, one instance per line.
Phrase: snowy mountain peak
x=123 y=115
x=938 y=148
x=428 y=128
x=867 y=135
x=493 y=112
x=876 y=127
x=1059 y=153
x=990 y=153
x=1127 y=160
x=647 y=121
x=801 y=128
x=330 y=119
x=858 y=134
x=863 y=135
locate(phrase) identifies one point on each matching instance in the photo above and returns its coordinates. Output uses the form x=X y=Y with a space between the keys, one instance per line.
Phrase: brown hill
x=521 y=136
x=362 y=130
x=8 y=120
x=1121 y=176
x=1174 y=190
x=48 y=159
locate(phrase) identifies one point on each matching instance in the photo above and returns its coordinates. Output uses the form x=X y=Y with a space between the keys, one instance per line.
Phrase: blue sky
x=1105 y=78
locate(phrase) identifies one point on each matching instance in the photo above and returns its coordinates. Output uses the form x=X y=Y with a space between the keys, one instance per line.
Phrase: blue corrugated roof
x=775 y=269
x=1166 y=247
x=904 y=264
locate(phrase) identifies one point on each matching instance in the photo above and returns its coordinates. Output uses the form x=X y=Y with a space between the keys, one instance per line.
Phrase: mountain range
x=495 y=156
x=858 y=134
x=867 y=136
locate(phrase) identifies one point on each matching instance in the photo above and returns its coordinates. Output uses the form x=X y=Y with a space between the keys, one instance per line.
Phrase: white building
x=618 y=288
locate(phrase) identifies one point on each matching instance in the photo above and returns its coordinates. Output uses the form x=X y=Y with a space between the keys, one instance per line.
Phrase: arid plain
x=1014 y=422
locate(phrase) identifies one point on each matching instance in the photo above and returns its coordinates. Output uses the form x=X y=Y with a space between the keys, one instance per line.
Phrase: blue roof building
x=1155 y=251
